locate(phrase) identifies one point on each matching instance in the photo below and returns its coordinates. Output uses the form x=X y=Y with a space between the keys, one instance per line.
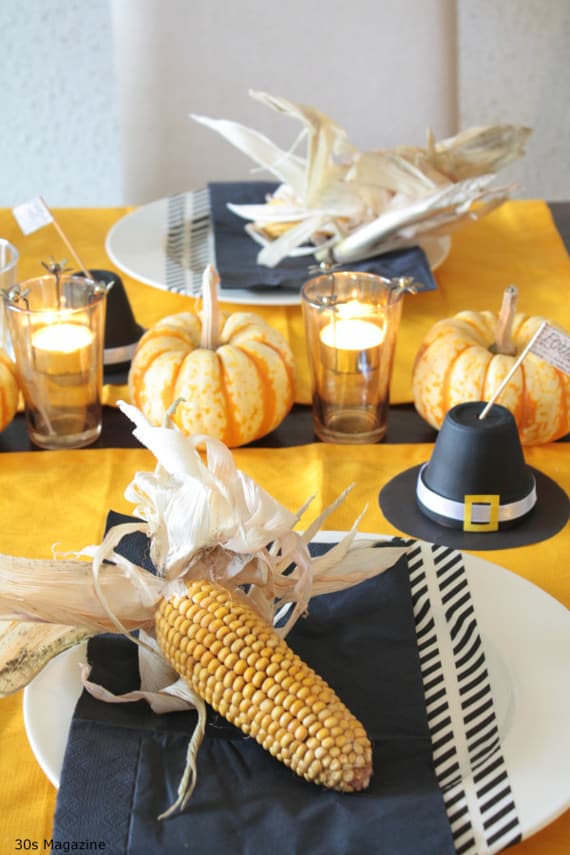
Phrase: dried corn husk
x=26 y=648
x=351 y=205
x=205 y=519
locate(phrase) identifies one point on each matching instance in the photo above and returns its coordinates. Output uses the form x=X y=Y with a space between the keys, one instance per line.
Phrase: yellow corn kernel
x=228 y=654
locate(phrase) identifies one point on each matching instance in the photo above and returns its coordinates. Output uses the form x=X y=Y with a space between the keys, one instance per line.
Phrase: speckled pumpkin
x=234 y=374
x=458 y=362
x=9 y=390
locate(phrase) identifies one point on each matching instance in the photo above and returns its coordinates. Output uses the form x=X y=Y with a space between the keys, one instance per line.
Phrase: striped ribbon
x=466 y=743
x=188 y=241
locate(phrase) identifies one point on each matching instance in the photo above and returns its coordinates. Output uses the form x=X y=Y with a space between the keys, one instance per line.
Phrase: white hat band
x=478 y=510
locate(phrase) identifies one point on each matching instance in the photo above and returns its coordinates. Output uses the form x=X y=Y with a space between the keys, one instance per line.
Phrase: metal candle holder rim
x=16 y=298
x=396 y=286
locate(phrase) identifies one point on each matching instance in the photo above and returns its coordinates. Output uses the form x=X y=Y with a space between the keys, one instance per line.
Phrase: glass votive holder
x=351 y=325
x=57 y=327
x=8 y=276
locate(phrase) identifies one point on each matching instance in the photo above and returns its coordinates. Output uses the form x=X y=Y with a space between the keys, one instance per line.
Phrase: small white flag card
x=548 y=343
x=32 y=215
x=553 y=345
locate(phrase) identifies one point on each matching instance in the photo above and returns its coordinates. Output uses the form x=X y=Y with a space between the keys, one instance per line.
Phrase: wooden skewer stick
x=506 y=379
x=67 y=242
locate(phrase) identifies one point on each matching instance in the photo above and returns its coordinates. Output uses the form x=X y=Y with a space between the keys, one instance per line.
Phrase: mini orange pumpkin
x=466 y=357
x=9 y=390
x=233 y=373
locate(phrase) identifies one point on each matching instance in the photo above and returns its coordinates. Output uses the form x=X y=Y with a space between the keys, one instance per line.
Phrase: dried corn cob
x=234 y=660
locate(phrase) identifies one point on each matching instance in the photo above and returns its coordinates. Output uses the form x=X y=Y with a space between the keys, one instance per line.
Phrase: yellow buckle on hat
x=490 y=499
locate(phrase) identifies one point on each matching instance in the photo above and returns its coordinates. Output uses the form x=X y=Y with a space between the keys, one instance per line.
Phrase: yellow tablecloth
x=65 y=501
x=516 y=244
x=63 y=497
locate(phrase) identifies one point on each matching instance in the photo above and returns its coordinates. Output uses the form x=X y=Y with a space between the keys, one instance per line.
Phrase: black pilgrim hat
x=122 y=332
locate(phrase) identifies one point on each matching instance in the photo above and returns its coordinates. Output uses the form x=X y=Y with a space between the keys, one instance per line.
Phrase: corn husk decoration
x=345 y=205
x=26 y=647
x=218 y=541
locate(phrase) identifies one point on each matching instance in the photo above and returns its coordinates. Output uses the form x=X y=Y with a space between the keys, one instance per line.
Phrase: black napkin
x=236 y=252
x=123 y=763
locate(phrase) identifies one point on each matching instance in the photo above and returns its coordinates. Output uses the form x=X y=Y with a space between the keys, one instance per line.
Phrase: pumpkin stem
x=210 y=309
x=504 y=333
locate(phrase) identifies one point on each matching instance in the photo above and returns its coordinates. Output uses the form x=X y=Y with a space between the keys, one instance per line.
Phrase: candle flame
x=354 y=309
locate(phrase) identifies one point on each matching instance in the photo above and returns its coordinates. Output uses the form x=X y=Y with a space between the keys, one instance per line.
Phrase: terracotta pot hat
x=477 y=478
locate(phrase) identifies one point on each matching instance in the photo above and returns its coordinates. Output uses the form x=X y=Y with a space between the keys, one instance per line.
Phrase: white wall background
x=59 y=132
x=514 y=65
x=96 y=93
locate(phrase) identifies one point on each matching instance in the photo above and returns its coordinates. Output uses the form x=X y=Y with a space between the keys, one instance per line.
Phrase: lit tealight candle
x=350 y=324
x=62 y=348
x=353 y=334
x=351 y=345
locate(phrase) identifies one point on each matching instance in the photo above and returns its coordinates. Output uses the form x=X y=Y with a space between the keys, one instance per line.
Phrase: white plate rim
x=143 y=228
x=50 y=699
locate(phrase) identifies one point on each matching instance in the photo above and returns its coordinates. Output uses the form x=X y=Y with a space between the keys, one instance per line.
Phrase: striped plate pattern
x=188 y=239
x=466 y=743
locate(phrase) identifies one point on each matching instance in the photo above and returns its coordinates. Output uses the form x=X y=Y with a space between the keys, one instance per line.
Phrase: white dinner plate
x=49 y=703
x=526 y=636
x=168 y=243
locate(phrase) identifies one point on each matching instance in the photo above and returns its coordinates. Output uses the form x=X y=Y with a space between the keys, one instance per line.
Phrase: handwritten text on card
x=553 y=345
